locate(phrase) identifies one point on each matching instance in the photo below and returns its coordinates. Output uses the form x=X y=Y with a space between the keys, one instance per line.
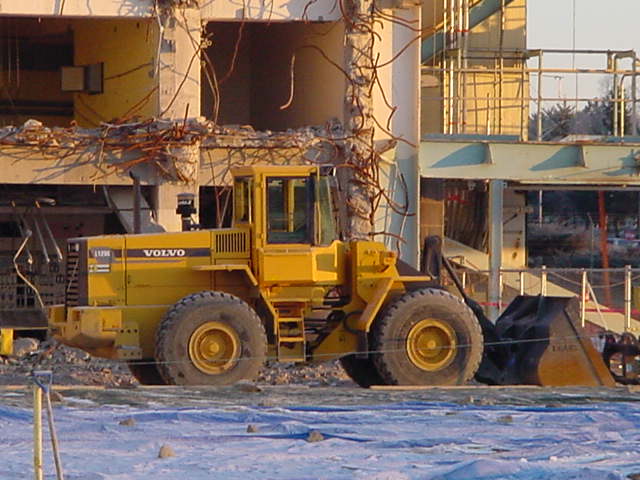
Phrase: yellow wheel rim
x=214 y=348
x=431 y=344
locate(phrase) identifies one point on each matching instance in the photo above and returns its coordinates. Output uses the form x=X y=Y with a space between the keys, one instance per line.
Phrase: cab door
x=286 y=258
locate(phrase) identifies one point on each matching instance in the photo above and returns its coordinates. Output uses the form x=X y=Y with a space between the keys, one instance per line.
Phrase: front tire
x=210 y=338
x=427 y=337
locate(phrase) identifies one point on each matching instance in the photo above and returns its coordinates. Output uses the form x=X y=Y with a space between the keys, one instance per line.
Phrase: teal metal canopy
x=544 y=163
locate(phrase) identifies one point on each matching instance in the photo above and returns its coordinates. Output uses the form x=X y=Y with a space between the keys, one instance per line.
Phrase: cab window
x=242 y=200
x=289 y=210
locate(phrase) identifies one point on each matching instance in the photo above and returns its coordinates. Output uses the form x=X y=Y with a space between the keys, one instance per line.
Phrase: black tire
x=146 y=372
x=361 y=370
x=178 y=344
x=399 y=350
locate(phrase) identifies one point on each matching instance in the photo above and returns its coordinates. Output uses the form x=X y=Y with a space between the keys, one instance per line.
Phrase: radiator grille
x=231 y=242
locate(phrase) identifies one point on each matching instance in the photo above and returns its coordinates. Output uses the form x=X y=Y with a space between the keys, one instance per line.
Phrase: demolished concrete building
x=112 y=108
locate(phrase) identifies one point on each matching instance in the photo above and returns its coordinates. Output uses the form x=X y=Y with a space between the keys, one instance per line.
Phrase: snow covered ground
x=468 y=434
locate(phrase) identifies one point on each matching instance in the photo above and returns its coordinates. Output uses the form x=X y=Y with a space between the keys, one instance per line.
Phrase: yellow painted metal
x=338 y=343
x=375 y=302
x=6 y=341
x=214 y=347
x=106 y=270
x=56 y=315
x=127 y=342
x=431 y=344
x=131 y=281
x=229 y=268
x=159 y=267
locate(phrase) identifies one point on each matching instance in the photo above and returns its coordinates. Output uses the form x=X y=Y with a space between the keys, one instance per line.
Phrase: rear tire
x=210 y=338
x=146 y=372
x=427 y=337
x=361 y=370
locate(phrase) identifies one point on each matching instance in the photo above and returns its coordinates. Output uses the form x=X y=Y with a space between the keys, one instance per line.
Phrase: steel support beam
x=433 y=45
x=496 y=195
x=542 y=163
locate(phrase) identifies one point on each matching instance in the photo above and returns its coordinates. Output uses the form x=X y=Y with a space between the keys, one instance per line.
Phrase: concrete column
x=186 y=167
x=496 y=190
x=405 y=87
x=166 y=201
x=179 y=62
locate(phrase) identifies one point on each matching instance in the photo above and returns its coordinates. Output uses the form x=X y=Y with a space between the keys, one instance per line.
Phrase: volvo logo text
x=164 y=252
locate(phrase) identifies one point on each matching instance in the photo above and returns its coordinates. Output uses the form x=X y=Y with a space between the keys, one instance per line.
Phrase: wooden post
x=37 y=432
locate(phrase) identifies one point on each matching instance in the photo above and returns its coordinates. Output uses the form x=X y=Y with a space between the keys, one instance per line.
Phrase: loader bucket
x=537 y=341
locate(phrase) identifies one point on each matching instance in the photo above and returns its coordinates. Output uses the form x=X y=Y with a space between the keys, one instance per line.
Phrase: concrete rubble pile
x=75 y=367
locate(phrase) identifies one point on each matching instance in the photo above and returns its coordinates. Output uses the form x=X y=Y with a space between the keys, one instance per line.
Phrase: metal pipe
x=43 y=246
x=465 y=62
x=523 y=131
x=53 y=434
x=533 y=70
x=515 y=99
x=604 y=248
x=623 y=127
x=539 y=106
x=496 y=190
x=501 y=65
x=583 y=298
x=634 y=98
x=47 y=230
x=521 y=282
x=543 y=280
x=627 y=298
x=615 y=97
x=445 y=83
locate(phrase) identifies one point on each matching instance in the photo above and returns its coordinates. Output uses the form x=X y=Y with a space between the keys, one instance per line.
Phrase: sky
x=610 y=24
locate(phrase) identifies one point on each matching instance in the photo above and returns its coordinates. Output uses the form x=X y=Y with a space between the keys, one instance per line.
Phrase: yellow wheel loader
x=209 y=307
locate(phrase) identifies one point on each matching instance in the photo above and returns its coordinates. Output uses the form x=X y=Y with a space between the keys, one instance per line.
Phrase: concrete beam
x=544 y=163
x=78 y=8
x=275 y=11
x=57 y=166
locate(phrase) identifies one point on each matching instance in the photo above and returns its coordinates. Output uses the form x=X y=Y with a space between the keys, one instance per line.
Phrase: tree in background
x=595 y=118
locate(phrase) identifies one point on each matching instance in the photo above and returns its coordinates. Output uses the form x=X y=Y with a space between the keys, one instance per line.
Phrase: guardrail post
x=521 y=281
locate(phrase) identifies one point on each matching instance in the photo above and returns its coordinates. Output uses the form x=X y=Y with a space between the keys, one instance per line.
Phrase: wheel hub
x=431 y=344
x=214 y=347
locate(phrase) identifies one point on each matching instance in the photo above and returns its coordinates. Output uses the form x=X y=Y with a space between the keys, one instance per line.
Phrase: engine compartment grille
x=231 y=242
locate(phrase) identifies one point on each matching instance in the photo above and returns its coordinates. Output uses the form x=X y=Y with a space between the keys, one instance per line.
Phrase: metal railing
x=618 y=287
x=459 y=67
